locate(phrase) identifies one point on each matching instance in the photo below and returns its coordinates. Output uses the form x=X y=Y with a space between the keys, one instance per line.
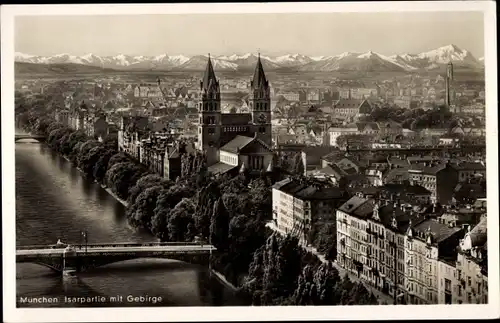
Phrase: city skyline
x=271 y=34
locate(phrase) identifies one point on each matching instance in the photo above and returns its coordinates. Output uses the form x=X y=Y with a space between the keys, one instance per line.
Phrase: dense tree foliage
x=414 y=119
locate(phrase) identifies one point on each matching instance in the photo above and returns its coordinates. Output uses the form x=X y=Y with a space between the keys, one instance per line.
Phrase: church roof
x=220 y=168
x=237 y=144
x=209 y=75
x=259 y=77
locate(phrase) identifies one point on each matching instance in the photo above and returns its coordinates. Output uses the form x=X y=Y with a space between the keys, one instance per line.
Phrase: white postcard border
x=12 y=314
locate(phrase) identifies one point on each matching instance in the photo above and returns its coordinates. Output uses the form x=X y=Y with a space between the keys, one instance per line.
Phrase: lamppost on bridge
x=85 y=236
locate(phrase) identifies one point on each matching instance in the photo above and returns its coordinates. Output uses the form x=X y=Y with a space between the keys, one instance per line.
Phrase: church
x=235 y=141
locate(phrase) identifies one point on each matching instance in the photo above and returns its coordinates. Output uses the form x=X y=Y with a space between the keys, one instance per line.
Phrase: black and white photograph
x=249 y=157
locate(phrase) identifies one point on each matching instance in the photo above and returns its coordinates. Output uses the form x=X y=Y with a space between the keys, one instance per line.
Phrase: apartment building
x=428 y=244
x=297 y=204
x=440 y=180
x=409 y=255
x=370 y=242
x=472 y=266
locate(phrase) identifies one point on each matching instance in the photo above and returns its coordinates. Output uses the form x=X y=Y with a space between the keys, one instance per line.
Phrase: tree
x=180 y=218
x=204 y=208
x=88 y=160
x=261 y=198
x=277 y=271
x=141 y=211
x=145 y=182
x=326 y=240
x=120 y=157
x=219 y=225
x=159 y=224
x=68 y=143
x=121 y=176
x=101 y=166
x=316 y=285
x=83 y=154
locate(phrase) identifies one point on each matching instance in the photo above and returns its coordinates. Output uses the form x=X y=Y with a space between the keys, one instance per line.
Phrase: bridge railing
x=111 y=245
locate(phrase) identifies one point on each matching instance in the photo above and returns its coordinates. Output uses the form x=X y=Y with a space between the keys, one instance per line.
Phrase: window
x=447 y=284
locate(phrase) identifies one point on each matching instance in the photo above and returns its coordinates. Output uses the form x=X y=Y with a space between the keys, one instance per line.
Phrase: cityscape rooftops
x=405 y=188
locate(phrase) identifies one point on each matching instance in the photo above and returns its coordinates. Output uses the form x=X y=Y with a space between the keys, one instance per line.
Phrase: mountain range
x=348 y=61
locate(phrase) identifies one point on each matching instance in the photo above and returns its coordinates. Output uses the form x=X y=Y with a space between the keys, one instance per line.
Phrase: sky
x=272 y=34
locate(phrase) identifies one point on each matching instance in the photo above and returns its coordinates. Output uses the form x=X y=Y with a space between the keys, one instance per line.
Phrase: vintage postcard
x=249 y=161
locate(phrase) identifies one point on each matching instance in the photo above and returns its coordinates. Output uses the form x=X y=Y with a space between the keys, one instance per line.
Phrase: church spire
x=259 y=77
x=209 y=76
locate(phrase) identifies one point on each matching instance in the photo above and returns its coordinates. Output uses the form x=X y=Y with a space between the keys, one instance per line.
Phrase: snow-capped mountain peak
x=370 y=61
x=449 y=53
x=367 y=54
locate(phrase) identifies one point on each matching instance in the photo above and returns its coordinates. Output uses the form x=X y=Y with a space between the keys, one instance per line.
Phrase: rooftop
x=479 y=233
x=220 y=168
x=235 y=145
x=405 y=188
x=308 y=191
x=440 y=231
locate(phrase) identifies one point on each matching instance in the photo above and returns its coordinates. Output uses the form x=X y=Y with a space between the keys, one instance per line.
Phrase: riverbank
x=219 y=276
x=110 y=192
x=223 y=280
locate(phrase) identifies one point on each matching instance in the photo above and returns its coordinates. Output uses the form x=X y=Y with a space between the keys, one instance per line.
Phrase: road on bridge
x=96 y=250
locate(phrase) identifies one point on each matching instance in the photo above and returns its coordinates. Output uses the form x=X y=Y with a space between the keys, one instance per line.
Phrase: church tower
x=209 y=130
x=260 y=104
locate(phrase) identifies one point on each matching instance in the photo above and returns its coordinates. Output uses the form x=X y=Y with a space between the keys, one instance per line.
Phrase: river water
x=53 y=201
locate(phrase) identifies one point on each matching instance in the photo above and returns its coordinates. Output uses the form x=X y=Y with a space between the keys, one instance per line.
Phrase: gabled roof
x=440 y=231
x=363 y=125
x=470 y=166
x=220 y=168
x=235 y=145
x=255 y=146
x=353 y=203
x=396 y=174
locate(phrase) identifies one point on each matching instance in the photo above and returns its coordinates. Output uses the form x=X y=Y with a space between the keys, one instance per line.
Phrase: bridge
x=29 y=136
x=82 y=257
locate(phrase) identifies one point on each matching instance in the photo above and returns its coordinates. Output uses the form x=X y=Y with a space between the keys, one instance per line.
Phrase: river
x=53 y=201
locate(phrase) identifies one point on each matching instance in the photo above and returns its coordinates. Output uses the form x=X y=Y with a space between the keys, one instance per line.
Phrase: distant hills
x=367 y=62
x=57 y=68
